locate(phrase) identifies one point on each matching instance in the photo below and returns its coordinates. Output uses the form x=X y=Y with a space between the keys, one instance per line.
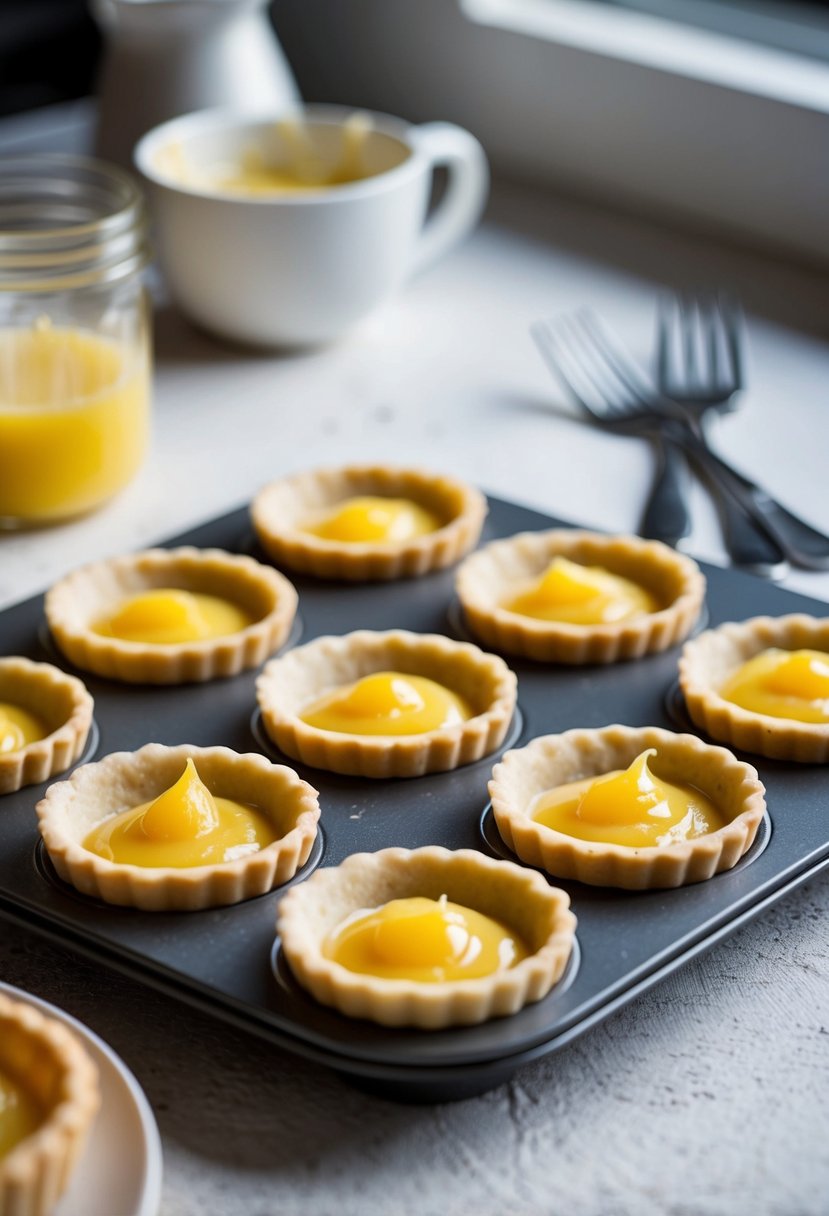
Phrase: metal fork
x=699 y=366
x=597 y=373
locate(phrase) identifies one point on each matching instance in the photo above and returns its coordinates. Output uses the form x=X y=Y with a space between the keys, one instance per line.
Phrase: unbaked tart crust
x=554 y=760
x=75 y=604
x=44 y=1058
x=519 y=898
x=62 y=703
x=709 y=660
x=281 y=509
x=291 y=682
x=504 y=568
x=71 y=809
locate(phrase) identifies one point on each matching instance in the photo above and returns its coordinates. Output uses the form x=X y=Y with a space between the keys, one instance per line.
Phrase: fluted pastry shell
x=291 y=682
x=503 y=569
x=44 y=1057
x=554 y=760
x=62 y=702
x=708 y=661
x=519 y=898
x=74 y=604
x=279 y=510
x=94 y=792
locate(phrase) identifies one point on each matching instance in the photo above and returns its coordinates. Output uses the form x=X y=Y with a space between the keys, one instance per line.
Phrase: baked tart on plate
x=368 y=522
x=170 y=616
x=630 y=807
x=49 y=1097
x=393 y=704
x=762 y=686
x=179 y=828
x=565 y=596
x=427 y=938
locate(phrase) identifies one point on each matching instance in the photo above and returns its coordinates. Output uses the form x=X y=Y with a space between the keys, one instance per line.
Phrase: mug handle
x=444 y=144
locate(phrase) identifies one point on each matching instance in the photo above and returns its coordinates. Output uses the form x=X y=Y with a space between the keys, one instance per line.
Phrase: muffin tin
x=227 y=962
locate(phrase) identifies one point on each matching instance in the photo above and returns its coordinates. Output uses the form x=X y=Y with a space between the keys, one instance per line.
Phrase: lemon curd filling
x=369 y=518
x=582 y=595
x=168 y=616
x=184 y=826
x=19 y=727
x=19 y=1114
x=426 y=940
x=631 y=807
x=783 y=684
x=387 y=703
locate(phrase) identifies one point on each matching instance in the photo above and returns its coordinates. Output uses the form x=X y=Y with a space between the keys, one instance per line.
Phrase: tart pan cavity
x=62 y=702
x=708 y=661
x=279 y=510
x=554 y=760
x=71 y=809
x=74 y=604
x=44 y=1056
x=290 y=683
x=519 y=898
x=505 y=567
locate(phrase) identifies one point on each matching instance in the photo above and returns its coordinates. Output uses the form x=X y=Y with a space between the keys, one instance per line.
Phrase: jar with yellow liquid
x=74 y=337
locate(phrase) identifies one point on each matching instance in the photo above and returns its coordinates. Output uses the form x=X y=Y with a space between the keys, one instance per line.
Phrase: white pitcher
x=169 y=57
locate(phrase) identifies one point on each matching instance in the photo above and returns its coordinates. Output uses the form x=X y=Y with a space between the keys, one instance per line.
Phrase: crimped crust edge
x=170 y=888
x=525 y=556
x=707 y=660
x=524 y=773
x=36 y=1172
x=368 y=561
x=44 y=758
x=399 y=872
x=136 y=662
x=383 y=756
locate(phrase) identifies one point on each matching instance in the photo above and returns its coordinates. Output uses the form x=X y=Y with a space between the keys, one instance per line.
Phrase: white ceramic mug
x=303 y=267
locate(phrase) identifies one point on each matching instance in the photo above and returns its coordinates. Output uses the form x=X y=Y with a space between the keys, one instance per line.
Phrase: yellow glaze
x=783 y=684
x=19 y=727
x=426 y=940
x=184 y=826
x=19 y=1114
x=375 y=519
x=582 y=595
x=632 y=807
x=168 y=616
x=387 y=703
x=74 y=411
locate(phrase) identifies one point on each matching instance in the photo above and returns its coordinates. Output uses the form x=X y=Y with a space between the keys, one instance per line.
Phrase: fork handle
x=802 y=544
x=666 y=516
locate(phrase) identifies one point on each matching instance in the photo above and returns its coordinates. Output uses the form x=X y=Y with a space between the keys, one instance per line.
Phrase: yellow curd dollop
x=387 y=703
x=783 y=684
x=19 y=727
x=19 y=1114
x=582 y=595
x=427 y=940
x=368 y=518
x=168 y=616
x=184 y=826
x=631 y=807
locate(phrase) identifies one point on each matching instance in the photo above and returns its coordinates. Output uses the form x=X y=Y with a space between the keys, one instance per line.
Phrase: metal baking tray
x=226 y=960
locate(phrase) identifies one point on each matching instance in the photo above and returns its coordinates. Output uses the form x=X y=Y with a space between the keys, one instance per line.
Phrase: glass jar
x=74 y=336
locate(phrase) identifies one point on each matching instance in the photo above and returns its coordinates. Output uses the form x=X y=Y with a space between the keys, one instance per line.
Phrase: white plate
x=119 y=1173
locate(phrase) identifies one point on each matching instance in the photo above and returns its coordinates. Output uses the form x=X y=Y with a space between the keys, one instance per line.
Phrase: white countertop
x=709 y=1093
